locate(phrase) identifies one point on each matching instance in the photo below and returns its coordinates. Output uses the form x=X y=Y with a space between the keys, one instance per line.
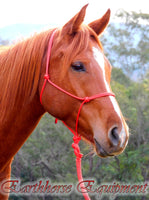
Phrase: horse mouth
x=100 y=150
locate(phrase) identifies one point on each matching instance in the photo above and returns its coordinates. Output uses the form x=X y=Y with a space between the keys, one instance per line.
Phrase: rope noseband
x=76 y=137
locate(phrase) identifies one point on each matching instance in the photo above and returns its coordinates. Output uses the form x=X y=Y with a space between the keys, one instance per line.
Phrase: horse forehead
x=99 y=57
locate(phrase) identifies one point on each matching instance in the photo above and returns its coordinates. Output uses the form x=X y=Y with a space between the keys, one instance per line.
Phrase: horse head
x=79 y=66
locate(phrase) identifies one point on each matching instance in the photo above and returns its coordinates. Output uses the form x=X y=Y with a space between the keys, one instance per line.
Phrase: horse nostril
x=114 y=136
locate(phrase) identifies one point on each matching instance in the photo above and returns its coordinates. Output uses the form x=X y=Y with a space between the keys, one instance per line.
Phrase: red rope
x=76 y=137
x=46 y=76
x=78 y=155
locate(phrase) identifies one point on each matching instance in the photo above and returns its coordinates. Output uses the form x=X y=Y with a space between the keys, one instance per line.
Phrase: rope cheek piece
x=76 y=137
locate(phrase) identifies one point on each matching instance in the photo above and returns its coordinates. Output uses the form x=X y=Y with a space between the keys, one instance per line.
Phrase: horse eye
x=78 y=66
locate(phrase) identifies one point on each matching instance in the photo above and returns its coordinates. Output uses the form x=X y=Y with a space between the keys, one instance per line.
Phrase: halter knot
x=46 y=76
x=76 y=139
x=77 y=150
x=86 y=99
x=75 y=145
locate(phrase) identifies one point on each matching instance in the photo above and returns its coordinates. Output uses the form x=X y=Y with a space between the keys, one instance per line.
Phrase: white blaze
x=99 y=57
x=100 y=60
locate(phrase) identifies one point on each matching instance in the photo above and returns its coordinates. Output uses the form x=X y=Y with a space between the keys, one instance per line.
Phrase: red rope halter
x=76 y=137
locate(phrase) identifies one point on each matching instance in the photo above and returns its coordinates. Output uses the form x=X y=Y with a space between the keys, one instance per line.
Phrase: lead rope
x=75 y=146
x=76 y=137
x=77 y=152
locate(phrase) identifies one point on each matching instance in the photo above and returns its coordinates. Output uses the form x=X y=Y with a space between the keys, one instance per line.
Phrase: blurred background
x=48 y=153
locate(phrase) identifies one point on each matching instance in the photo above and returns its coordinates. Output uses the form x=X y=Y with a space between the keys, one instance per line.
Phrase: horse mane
x=20 y=67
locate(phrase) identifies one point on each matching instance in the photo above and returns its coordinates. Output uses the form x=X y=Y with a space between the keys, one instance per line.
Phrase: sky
x=58 y=12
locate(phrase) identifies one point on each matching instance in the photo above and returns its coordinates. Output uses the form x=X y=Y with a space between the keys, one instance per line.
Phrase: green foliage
x=126 y=43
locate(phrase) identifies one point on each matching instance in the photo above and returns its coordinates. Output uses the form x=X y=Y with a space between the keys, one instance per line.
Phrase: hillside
x=18 y=31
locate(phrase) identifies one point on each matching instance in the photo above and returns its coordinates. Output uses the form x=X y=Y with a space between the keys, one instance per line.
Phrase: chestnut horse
x=79 y=66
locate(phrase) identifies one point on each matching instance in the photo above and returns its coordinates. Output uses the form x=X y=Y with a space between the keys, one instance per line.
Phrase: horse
x=77 y=65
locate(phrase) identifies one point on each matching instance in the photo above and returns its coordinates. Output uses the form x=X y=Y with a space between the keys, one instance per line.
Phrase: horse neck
x=15 y=131
x=20 y=108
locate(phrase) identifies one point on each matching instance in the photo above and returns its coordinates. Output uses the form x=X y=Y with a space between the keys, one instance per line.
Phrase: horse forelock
x=20 y=68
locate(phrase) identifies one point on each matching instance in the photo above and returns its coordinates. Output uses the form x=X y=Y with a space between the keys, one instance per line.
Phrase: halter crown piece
x=76 y=137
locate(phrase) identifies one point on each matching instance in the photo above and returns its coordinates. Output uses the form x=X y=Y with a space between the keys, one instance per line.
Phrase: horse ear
x=99 y=25
x=74 y=24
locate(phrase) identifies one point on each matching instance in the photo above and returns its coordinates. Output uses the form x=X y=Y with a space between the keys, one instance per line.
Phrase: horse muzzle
x=115 y=144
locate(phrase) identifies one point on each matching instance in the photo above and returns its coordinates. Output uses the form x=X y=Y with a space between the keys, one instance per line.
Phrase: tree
x=126 y=43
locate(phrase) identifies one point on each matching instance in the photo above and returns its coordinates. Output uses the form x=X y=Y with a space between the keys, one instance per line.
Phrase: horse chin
x=100 y=150
x=102 y=153
x=97 y=147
